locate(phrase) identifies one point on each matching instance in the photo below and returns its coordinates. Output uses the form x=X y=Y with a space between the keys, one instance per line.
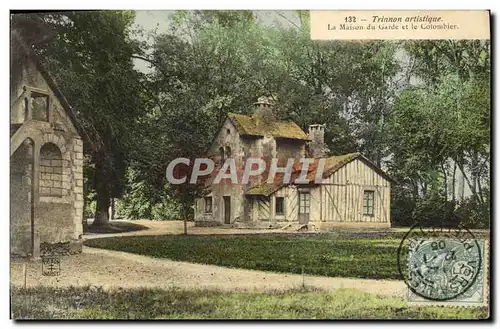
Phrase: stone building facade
x=354 y=191
x=46 y=164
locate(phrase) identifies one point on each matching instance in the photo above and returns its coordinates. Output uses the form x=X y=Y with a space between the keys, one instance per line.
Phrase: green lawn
x=95 y=303
x=321 y=254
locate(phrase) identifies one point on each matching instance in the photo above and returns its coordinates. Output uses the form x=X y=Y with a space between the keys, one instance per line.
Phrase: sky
x=149 y=20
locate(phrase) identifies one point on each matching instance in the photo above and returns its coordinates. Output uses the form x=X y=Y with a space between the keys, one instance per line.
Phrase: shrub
x=473 y=214
x=402 y=207
x=435 y=211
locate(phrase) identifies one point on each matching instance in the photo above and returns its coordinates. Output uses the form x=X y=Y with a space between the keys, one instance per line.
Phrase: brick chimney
x=317 y=147
x=263 y=108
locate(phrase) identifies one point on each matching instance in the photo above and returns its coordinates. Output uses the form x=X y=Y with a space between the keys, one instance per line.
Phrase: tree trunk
x=102 y=208
x=473 y=172
x=85 y=223
x=102 y=189
x=479 y=176
x=415 y=190
x=112 y=216
x=453 y=181
x=461 y=186
x=423 y=186
x=480 y=189
x=445 y=181
x=185 y=211
x=466 y=178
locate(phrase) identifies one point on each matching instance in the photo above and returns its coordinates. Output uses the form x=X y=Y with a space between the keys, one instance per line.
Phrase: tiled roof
x=336 y=162
x=256 y=126
x=332 y=164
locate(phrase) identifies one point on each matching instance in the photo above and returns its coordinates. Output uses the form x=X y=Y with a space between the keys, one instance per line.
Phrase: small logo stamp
x=444 y=265
x=51 y=266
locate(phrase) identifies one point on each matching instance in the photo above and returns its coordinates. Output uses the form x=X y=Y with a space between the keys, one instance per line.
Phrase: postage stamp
x=444 y=267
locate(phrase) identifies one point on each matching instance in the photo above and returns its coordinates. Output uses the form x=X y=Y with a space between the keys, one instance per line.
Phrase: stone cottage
x=354 y=192
x=46 y=161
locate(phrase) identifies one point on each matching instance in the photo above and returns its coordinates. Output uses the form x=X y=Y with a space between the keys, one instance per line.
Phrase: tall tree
x=441 y=126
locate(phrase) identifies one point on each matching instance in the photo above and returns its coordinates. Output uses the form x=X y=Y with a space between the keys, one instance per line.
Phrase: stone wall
x=60 y=216
x=21 y=179
x=317 y=147
x=77 y=170
x=51 y=171
x=289 y=149
x=227 y=138
x=53 y=187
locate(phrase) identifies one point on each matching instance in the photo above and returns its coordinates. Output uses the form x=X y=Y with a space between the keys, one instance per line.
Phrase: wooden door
x=304 y=207
x=227 y=210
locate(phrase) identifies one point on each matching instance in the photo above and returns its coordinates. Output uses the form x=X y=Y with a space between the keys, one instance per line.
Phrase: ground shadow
x=114 y=227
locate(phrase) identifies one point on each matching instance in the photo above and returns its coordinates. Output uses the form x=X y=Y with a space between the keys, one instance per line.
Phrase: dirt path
x=177 y=227
x=113 y=269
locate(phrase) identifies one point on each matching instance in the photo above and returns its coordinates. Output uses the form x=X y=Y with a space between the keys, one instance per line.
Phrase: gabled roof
x=332 y=164
x=256 y=126
x=264 y=189
x=267 y=189
x=16 y=37
x=336 y=162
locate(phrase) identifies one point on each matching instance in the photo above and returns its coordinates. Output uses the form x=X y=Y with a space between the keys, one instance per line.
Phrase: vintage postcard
x=281 y=164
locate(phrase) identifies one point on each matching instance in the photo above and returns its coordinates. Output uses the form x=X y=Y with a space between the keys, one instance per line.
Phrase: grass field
x=322 y=254
x=95 y=303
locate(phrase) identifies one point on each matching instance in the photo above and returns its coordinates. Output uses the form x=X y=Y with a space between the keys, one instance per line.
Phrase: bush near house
x=436 y=211
x=473 y=214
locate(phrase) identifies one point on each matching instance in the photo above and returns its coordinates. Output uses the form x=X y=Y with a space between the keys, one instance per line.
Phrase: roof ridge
x=343 y=155
x=254 y=117
x=253 y=126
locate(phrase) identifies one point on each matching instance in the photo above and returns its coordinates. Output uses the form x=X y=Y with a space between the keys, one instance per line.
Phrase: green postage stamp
x=446 y=267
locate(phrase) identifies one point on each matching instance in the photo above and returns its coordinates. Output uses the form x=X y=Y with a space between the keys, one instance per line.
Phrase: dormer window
x=40 y=105
x=37 y=104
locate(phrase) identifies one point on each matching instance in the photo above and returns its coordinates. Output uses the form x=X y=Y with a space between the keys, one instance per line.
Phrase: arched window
x=51 y=172
x=228 y=151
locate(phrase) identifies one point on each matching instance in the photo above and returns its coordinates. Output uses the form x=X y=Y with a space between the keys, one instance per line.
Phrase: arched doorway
x=22 y=200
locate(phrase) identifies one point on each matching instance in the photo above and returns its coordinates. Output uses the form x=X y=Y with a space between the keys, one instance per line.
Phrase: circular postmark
x=439 y=264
